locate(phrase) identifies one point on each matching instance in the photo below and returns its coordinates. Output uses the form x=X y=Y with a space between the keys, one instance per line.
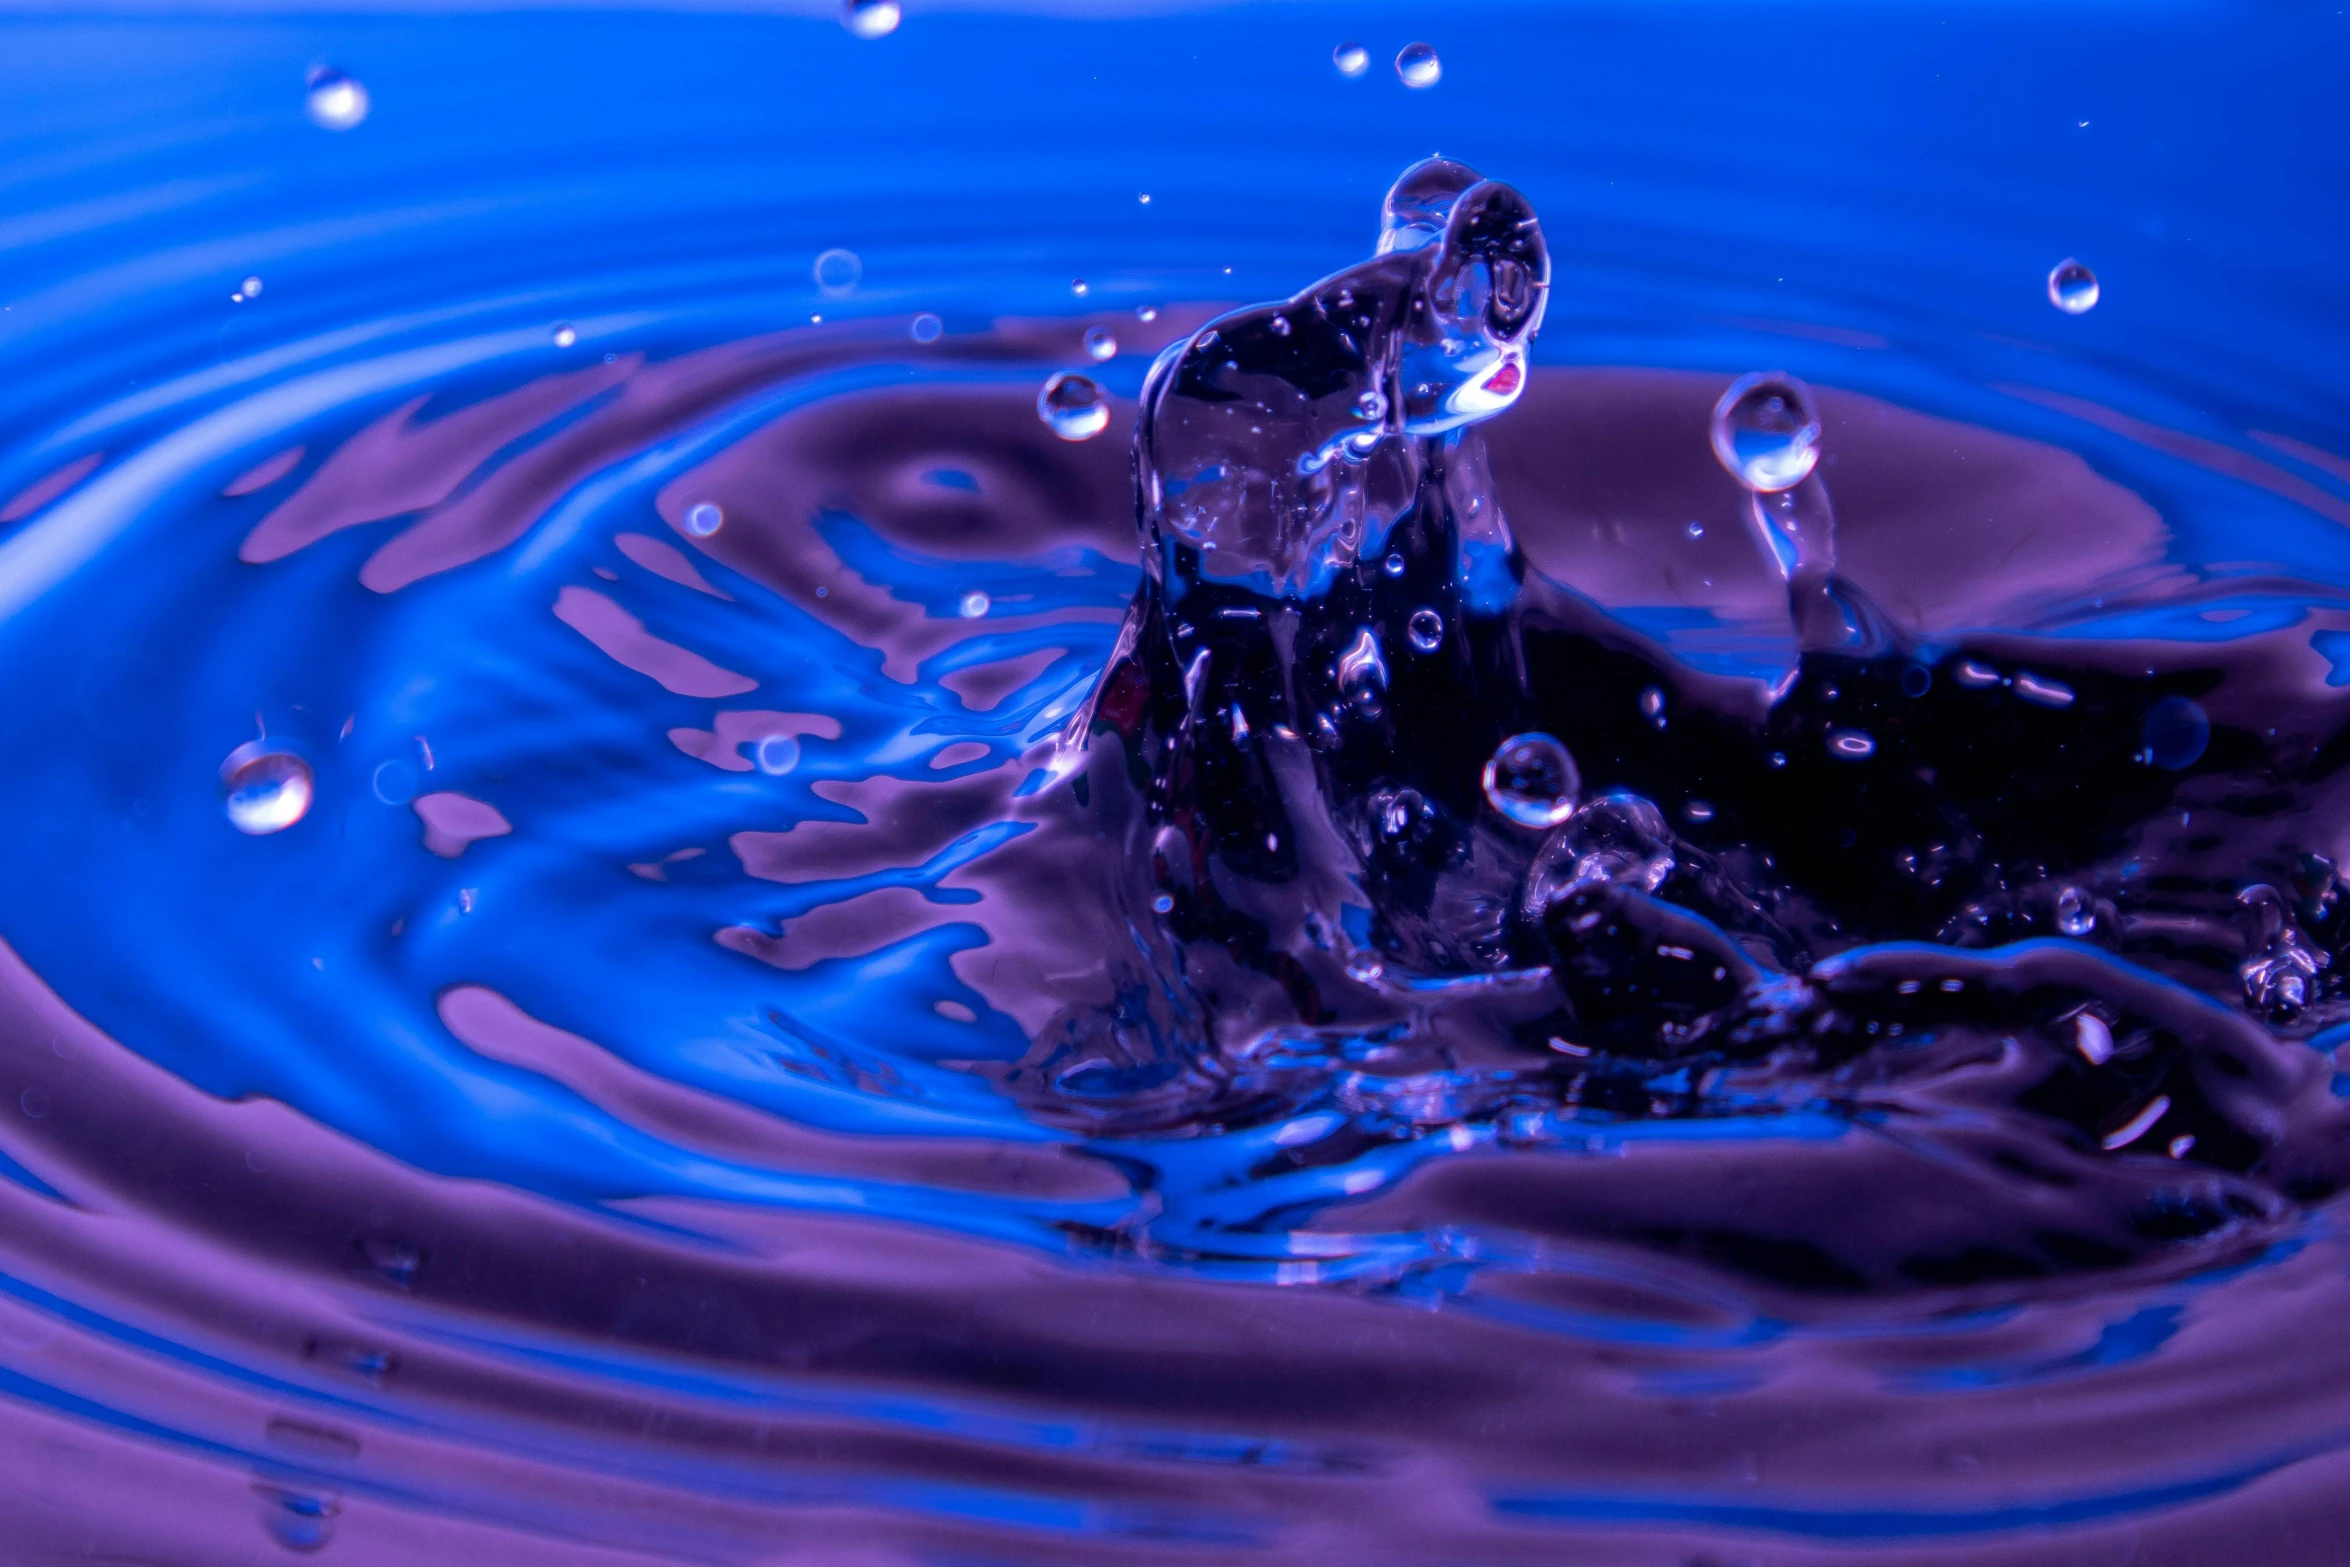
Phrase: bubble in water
x=836 y=270
x=2176 y=732
x=2072 y=288
x=1532 y=780
x=265 y=787
x=2075 y=914
x=251 y=287
x=1074 y=406
x=1079 y=286
x=1696 y=530
x=337 y=101
x=1164 y=903
x=1852 y=745
x=564 y=334
x=1351 y=58
x=1426 y=630
x=1620 y=839
x=1392 y=565
x=1146 y=312
x=1417 y=65
x=703 y=518
x=776 y=755
x=870 y=18
x=926 y=328
x=1766 y=432
x=1100 y=343
x=973 y=605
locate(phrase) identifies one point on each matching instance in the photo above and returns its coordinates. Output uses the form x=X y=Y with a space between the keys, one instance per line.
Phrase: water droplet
x=1371 y=405
x=2176 y=732
x=1146 y=312
x=1696 y=530
x=1916 y=680
x=926 y=328
x=1766 y=432
x=564 y=334
x=1851 y=744
x=1364 y=967
x=297 y=1520
x=2075 y=914
x=776 y=755
x=1079 y=286
x=1162 y=904
x=1362 y=671
x=1619 y=838
x=870 y=18
x=836 y=270
x=973 y=605
x=2072 y=288
x=1100 y=343
x=250 y=288
x=337 y=101
x=265 y=787
x=1426 y=630
x=1652 y=705
x=1074 y=406
x=1532 y=780
x=703 y=518
x=394 y=782
x=1392 y=565
x=1351 y=58
x=1417 y=65
x=1144 y=198
x=2092 y=1038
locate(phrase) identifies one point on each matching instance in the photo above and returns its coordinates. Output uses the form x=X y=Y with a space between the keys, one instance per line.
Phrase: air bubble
x=1074 y=406
x=1766 y=432
x=1163 y=904
x=1351 y=58
x=1392 y=565
x=1696 y=530
x=2075 y=914
x=265 y=787
x=564 y=334
x=973 y=605
x=1532 y=780
x=1618 y=839
x=1100 y=343
x=1426 y=630
x=393 y=782
x=337 y=101
x=1080 y=287
x=870 y=18
x=776 y=755
x=926 y=328
x=2072 y=288
x=703 y=518
x=2176 y=732
x=1417 y=65
x=1146 y=312
x=837 y=271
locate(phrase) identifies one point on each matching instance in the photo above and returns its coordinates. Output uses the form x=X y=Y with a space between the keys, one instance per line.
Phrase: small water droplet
x=298 y=1520
x=1100 y=343
x=2176 y=732
x=265 y=787
x=1916 y=680
x=1766 y=432
x=1351 y=58
x=1851 y=744
x=1362 y=671
x=564 y=334
x=250 y=288
x=1074 y=406
x=2072 y=288
x=1698 y=810
x=2075 y=914
x=1696 y=530
x=1426 y=630
x=1146 y=312
x=337 y=101
x=870 y=18
x=1417 y=66
x=704 y=518
x=1371 y=405
x=837 y=271
x=1162 y=904
x=1652 y=705
x=1364 y=967
x=2092 y=1038
x=1079 y=286
x=1392 y=565
x=34 y=1101
x=1144 y=198
x=394 y=782
x=1532 y=780
x=973 y=605
x=776 y=755
x=926 y=328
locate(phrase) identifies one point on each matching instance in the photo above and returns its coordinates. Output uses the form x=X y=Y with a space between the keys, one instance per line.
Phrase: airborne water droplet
x=2176 y=731
x=973 y=605
x=1766 y=432
x=1392 y=565
x=1532 y=780
x=703 y=518
x=870 y=18
x=1426 y=630
x=337 y=101
x=1074 y=406
x=564 y=334
x=265 y=787
x=250 y=288
x=2072 y=288
x=2075 y=914
x=1100 y=343
x=1417 y=65
x=836 y=270
x=1351 y=58
x=1146 y=313
x=776 y=755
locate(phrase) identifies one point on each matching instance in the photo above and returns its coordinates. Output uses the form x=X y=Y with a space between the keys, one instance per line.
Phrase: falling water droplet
x=1080 y=287
x=1146 y=312
x=564 y=334
x=1100 y=343
x=776 y=755
x=870 y=18
x=337 y=101
x=1074 y=406
x=836 y=270
x=1417 y=65
x=2072 y=288
x=1362 y=671
x=973 y=605
x=1852 y=745
x=926 y=328
x=703 y=518
x=1426 y=630
x=1351 y=58
x=2075 y=914
x=265 y=787
x=1766 y=432
x=250 y=288
x=1696 y=530
x=1532 y=780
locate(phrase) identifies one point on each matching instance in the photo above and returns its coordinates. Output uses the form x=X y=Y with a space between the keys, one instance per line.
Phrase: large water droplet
x=703 y=518
x=1532 y=780
x=1619 y=838
x=1100 y=343
x=1766 y=432
x=1426 y=630
x=836 y=270
x=2072 y=288
x=1074 y=406
x=1417 y=65
x=1351 y=58
x=265 y=787
x=337 y=101
x=870 y=18
x=2176 y=732
x=776 y=755
x=2075 y=914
